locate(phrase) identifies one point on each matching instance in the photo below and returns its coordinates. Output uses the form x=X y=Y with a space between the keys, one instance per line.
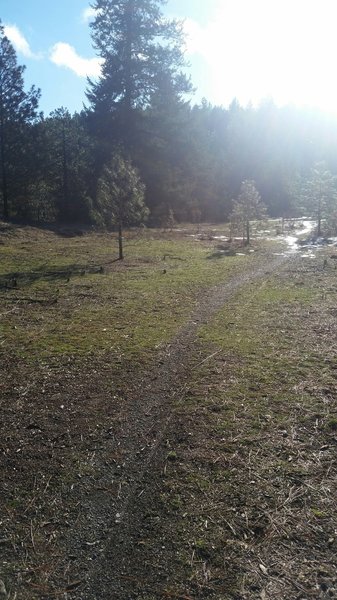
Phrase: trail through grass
x=253 y=486
x=239 y=502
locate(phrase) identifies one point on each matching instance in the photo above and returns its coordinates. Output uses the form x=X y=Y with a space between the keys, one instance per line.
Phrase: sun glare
x=284 y=49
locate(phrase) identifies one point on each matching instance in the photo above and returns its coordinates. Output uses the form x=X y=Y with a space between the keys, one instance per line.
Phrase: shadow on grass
x=221 y=254
x=66 y=231
x=22 y=279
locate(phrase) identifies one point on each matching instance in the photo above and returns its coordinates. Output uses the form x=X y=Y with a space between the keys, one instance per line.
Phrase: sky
x=248 y=49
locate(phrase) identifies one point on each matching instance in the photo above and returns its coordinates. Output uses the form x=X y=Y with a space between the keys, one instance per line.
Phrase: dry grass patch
x=76 y=328
x=252 y=490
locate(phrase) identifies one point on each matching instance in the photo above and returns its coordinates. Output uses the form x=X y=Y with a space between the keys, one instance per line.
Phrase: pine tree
x=18 y=109
x=68 y=165
x=246 y=208
x=320 y=195
x=121 y=197
x=163 y=156
x=140 y=49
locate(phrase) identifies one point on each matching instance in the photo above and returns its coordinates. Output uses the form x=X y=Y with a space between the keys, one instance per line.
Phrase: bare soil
x=169 y=480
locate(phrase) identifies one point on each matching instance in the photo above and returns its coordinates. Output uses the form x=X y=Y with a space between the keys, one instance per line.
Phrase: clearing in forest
x=169 y=423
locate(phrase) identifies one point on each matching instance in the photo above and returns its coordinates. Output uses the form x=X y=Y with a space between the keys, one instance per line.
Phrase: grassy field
x=76 y=327
x=254 y=482
x=66 y=295
x=243 y=492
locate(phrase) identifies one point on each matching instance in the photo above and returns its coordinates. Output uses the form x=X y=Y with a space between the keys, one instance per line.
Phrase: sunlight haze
x=246 y=49
x=284 y=50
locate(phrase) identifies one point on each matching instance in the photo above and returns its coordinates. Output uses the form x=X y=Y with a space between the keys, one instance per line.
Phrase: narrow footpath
x=116 y=563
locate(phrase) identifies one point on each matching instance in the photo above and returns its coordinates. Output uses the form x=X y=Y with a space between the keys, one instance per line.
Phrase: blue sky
x=43 y=31
x=251 y=49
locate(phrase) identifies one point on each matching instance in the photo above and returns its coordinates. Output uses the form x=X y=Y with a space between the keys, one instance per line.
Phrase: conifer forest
x=190 y=159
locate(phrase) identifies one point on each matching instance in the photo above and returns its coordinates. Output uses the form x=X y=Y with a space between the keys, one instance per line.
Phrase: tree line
x=141 y=151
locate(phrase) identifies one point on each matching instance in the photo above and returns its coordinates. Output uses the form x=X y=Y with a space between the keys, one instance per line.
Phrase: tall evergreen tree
x=320 y=195
x=68 y=165
x=18 y=109
x=163 y=154
x=140 y=49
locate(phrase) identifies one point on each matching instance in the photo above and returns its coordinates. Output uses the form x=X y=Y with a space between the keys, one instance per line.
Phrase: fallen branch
x=205 y=359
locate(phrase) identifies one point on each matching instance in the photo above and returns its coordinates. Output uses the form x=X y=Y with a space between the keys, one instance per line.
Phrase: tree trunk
x=128 y=58
x=319 y=212
x=65 y=208
x=127 y=116
x=247 y=234
x=120 y=240
x=319 y=227
x=319 y=218
x=3 y=170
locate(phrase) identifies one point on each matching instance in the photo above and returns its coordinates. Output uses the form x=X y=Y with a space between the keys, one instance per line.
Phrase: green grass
x=243 y=325
x=248 y=464
x=255 y=434
x=130 y=308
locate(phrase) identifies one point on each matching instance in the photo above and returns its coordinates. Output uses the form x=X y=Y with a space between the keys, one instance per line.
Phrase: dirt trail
x=115 y=561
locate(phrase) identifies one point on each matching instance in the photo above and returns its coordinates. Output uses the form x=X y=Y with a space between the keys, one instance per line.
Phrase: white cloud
x=88 y=14
x=19 y=41
x=64 y=55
